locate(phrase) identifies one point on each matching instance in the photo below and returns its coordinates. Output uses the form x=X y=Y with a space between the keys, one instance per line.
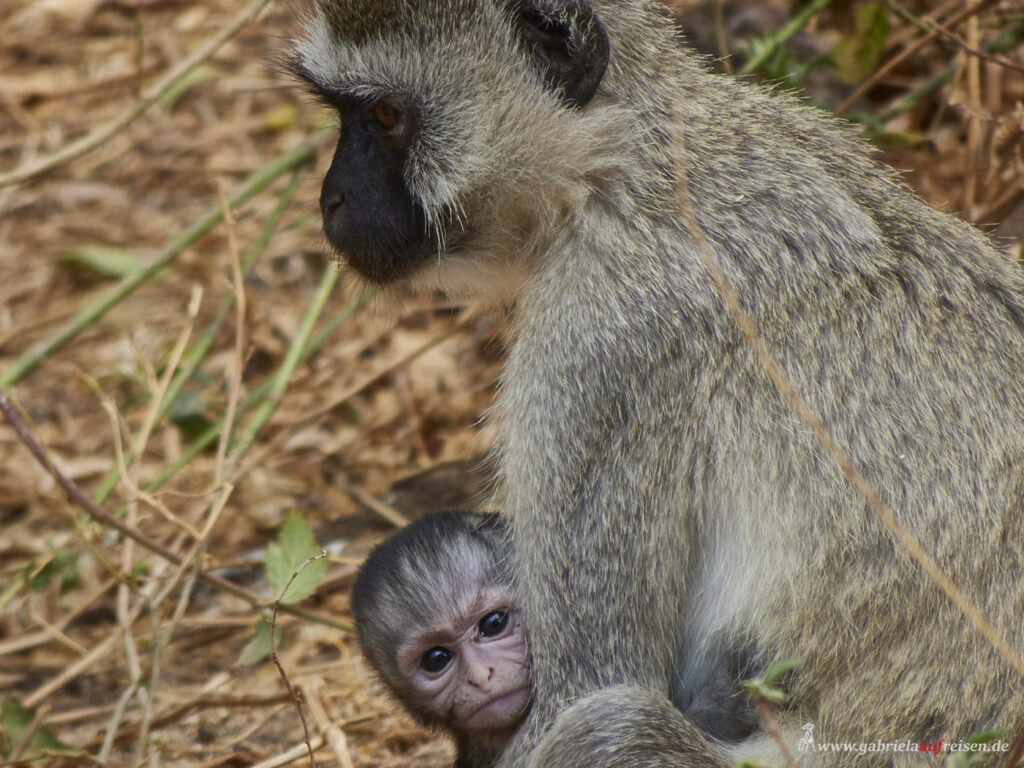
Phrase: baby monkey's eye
x=493 y=624
x=435 y=660
x=386 y=115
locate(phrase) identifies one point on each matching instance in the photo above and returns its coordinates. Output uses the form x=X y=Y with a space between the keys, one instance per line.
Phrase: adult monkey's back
x=669 y=510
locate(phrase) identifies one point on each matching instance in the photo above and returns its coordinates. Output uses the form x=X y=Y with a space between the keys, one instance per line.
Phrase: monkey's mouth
x=504 y=711
x=381 y=256
x=385 y=256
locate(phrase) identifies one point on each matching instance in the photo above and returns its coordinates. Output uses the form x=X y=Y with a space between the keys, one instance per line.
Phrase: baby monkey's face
x=471 y=667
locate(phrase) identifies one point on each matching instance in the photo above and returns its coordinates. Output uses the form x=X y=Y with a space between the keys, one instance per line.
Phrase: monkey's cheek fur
x=501 y=712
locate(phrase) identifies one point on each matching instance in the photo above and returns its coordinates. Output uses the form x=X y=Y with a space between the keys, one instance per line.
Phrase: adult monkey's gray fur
x=668 y=508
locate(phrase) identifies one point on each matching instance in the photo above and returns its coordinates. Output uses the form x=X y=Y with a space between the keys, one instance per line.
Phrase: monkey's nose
x=332 y=198
x=479 y=676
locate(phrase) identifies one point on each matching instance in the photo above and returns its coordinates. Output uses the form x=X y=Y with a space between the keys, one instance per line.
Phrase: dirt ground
x=357 y=411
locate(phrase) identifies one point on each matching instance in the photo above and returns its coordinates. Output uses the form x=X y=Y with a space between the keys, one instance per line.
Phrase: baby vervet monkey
x=438 y=620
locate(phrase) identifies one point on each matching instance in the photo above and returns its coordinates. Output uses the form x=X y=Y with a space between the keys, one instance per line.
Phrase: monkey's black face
x=435 y=171
x=369 y=213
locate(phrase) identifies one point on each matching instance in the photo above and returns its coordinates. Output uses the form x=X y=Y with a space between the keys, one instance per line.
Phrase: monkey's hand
x=618 y=727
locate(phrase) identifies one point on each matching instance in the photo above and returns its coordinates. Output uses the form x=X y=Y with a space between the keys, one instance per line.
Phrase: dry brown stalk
x=102 y=516
x=103 y=132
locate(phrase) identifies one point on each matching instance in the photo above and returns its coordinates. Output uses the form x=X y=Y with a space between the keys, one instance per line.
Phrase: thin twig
x=280 y=667
x=907 y=52
x=115 y=721
x=26 y=642
x=900 y=35
x=767 y=717
x=323 y=409
x=73 y=670
x=23 y=741
x=130 y=480
x=386 y=511
x=44 y=755
x=174 y=76
x=125 y=619
x=178 y=711
x=209 y=436
x=1004 y=40
x=973 y=50
x=973 y=118
x=196 y=355
x=102 y=516
x=290 y=755
x=291 y=361
x=52 y=632
x=238 y=360
x=191 y=562
x=335 y=737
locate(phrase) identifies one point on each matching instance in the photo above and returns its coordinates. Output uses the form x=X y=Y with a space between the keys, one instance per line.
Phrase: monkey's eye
x=386 y=115
x=493 y=624
x=543 y=30
x=435 y=660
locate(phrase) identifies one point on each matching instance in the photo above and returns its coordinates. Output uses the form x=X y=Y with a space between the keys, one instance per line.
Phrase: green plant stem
x=209 y=436
x=279 y=383
x=779 y=39
x=256 y=183
x=199 y=351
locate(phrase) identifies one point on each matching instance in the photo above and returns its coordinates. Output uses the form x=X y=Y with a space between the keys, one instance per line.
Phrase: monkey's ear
x=569 y=43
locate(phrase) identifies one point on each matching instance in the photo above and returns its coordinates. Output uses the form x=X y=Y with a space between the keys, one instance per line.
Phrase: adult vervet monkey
x=668 y=509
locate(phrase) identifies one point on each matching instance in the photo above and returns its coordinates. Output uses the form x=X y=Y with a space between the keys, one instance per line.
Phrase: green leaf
x=759 y=688
x=984 y=737
x=856 y=55
x=295 y=544
x=967 y=759
x=258 y=648
x=781 y=667
x=282 y=117
x=62 y=565
x=188 y=413
x=15 y=719
x=109 y=262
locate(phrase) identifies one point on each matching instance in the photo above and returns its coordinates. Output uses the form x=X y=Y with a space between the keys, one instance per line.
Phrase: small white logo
x=808 y=738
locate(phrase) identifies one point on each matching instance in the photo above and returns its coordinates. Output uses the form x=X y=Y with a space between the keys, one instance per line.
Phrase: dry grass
x=379 y=422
